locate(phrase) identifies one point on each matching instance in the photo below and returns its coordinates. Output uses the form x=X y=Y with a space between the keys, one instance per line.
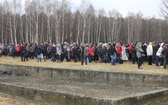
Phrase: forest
x=58 y=21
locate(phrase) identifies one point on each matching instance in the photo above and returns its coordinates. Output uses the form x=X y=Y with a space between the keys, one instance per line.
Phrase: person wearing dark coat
x=76 y=53
x=134 y=58
x=144 y=46
x=112 y=53
x=13 y=51
x=32 y=51
x=39 y=53
x=100 y=53
x=44 y=52
x=53 y=54
x=23 y=53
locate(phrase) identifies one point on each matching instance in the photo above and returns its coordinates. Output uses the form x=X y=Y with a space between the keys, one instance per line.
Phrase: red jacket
x=17 y=48
x=91 y=51
x=119 y=50
x=130 y=48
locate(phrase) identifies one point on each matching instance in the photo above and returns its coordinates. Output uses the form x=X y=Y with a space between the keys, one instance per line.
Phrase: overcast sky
x=149 y=8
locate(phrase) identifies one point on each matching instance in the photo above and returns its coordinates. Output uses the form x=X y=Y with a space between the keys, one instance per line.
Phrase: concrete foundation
x=89 y=76
x=86 y=76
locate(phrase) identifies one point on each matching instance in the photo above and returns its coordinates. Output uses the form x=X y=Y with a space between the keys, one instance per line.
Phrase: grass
x=127 y=67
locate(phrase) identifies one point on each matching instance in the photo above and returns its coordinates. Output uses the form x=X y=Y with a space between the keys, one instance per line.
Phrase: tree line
x=58 y=21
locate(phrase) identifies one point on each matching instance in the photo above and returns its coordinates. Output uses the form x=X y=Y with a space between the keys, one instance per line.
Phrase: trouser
x=53 y=57
x=86 y=59
x=113 y=59
x=38 y=57
x=90 y=58
x=32 y=54
x=75 y=58
x=157 y=61
x=133 y=60
x=59 y=58
x=161 y=61
x=149 y=60
x=22 y=56
x=44 y=57
x=82 y=60
x=154 y=58
x=140 y=62
x=48 y=55
x=68 y=57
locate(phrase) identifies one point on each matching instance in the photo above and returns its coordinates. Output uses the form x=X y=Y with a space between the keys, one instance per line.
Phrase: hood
x=138 y=44
x=161 y=45
x=150 y=43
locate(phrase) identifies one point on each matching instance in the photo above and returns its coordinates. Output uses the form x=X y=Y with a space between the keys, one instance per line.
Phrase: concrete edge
x=69 y=99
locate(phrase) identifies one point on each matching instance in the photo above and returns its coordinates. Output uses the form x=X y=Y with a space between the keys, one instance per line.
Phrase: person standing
x=112 y=53
x=134 y=58
x=124 y=54
x=32 y=51
x=22 y=52
x=119 y=52
x=159 y=55
x=139 y=54
x=149 y=51
x=59 y=52
x=38 y=51
x=86 y=54
x=53 y=53
x=91 y=53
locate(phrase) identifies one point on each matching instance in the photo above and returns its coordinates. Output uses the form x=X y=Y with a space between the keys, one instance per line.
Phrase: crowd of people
x=114 y=53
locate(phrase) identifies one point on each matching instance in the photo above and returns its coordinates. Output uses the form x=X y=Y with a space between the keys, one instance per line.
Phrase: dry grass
x=127 y=67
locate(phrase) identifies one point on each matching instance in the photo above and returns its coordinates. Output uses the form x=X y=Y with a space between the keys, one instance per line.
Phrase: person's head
x=154 y=43
x=54 y=45
x=150 y=43
x=114 y=44
x=139 y=44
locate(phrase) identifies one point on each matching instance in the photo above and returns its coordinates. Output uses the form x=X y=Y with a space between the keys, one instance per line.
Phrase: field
x=127 y=67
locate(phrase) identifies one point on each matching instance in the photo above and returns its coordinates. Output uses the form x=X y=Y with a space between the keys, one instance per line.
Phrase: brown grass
x=127 y=67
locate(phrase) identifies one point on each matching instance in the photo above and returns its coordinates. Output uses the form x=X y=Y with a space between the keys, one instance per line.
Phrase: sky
x=148 y=8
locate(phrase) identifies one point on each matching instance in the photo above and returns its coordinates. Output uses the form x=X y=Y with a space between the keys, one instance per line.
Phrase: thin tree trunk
x=21 y=30
x=84 y=27
x=89 y=32
x=11 y=33
x=14 y=28
x=42 y=33
x=2 y=29
x=77 y=39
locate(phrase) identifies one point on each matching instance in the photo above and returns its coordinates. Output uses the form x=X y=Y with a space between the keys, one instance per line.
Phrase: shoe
x=140 y=68
x=161 y=67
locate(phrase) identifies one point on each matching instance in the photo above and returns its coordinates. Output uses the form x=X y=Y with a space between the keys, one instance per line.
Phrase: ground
x=127 y=67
